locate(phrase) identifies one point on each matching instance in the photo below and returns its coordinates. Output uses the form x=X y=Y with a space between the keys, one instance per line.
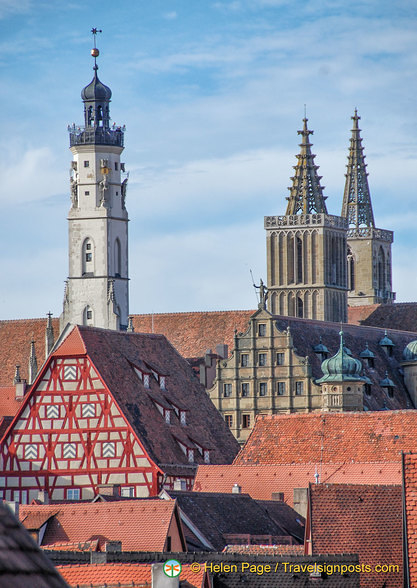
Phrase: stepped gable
x=366 y=520
x=261 y=481
x=105 y=521
x=15 y=338
x=192 y=333
x=400 y=315
x=350 y=437
x=115 y=353
x=306 y=334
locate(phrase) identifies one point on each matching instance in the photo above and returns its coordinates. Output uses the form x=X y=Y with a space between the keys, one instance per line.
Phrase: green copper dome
x=386 y=341
x=367 y=353
x=341 y=367
x=410 y=352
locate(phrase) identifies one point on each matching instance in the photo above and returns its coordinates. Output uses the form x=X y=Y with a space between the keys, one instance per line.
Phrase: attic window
x=73 y=494
x=127 y=492
x=206 y=456
x=146 y=380
x=183 y=417
x=190 y=455
x=162 y=382
x=167 y=416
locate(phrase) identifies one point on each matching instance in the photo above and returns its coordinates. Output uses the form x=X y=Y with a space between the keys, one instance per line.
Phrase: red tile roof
x=15 y=338
x=265 y=549
x=8 y=403
x=141 y=525
x=192 y=333
x=74 y=546
x=260 y=481
x=378 y=436
x=356 y=314
x=121 y=574
x=366 y=520
x=115 y=354
x=410 y=492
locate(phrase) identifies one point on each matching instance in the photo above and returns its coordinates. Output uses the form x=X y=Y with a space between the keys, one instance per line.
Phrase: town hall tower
x=96 y=291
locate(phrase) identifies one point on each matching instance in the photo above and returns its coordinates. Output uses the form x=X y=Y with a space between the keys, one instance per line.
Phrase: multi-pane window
x=262 y=389
x=245 y=388
x=280 y=388
x=206 y=455
x=229 y=420
x=73 y=494
x=299 y=388
x=245 y=421
x=262 y=359
x=127 y=492
x=262 y=330
x=280 y=358
x=227 y=390
x=190 y=455
x=183 y=417
x=244 y=359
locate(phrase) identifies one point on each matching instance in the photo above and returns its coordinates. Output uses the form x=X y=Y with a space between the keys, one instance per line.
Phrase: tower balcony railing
x=370 y=232
x=96 y=136
x=313 y=219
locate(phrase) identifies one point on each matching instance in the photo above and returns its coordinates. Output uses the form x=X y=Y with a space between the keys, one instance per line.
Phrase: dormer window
x=167 y=416
x=206 y=456
x=262 y=330
x=190 y=455
x=146 y=380
x=183 y=417
x=162 y=383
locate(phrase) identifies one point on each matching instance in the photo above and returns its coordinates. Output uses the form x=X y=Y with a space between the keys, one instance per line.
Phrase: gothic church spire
x=357 y=207
x=306 y=193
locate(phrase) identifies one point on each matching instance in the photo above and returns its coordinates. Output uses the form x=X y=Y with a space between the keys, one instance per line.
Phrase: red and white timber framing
x=70 y=437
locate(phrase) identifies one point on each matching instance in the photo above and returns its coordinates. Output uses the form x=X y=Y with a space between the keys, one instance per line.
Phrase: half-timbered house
x=111 y=408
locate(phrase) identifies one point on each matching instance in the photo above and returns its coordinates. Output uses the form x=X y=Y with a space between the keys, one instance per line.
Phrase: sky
x=212 y=94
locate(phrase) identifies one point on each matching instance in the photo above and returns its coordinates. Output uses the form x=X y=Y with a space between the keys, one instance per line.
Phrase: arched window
x=300 y=307
x=290 y=259
x=381 y=269
x=291 y=304
x=87 y=257
x=88 y=317
x=351 y=269
x=299 y=260
x=117 y=259
x=100 y=116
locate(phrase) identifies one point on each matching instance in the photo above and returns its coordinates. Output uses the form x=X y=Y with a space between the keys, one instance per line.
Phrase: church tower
x=96 y=291
x=306 y=249
x=369 y=248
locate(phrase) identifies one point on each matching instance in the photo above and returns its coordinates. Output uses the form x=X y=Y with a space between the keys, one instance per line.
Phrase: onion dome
x=96 y=90
x=341 y=367
x=320 y=348
x=386 y=382
x=386 y=341
x=367 y=353
x=410 y=352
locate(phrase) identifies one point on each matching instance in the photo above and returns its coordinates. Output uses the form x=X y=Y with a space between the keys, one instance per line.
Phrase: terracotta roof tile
x=108 y=521
x=357 y=314
x=410 y=491
x=114 y=354
x=366 y=520
x=15 y=338
x=260 y=481
x=378 y=436
x=8 y=403
x=121 y=574
x=192 y=333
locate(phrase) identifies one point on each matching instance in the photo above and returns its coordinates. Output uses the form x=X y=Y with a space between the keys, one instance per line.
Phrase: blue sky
x=212 y=95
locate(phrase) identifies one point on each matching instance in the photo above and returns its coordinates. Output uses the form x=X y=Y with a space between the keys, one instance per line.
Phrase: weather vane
x=95 y=52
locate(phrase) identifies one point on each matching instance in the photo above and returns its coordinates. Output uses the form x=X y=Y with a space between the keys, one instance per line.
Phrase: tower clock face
x=104 y=170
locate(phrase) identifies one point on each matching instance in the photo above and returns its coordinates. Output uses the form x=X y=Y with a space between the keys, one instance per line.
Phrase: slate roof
x=354 y=437
x=139 y=525
x=219 y=515
x=114 y=354
x=265 y=549
x=366 y=520
x=401 y=315
x=260 y=481
x=193 y=333
x=118 y=575
x=15 y=338
x=306 y=334
x=410 y=499
x=22 y=563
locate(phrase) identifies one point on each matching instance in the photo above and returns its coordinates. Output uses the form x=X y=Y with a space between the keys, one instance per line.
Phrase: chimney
x=109 y=489
x=277 y=496
x=236 y=489
x=301 y=501
x=43 y=496
x=222 y=349
x=19 y=383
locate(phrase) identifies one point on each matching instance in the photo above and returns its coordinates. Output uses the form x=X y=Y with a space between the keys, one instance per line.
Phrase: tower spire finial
x=94 y=51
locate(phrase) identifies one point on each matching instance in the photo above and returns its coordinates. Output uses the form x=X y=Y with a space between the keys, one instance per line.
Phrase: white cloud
x=170 y=15
x=10 y=7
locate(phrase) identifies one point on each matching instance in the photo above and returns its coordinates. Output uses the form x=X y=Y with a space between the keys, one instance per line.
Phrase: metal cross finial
x=95 y=52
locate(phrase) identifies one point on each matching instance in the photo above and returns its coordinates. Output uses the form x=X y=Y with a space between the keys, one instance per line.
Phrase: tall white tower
x=97 y=289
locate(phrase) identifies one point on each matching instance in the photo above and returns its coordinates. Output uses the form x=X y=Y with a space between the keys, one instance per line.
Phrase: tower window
x=116 y=166
x=87 y=193
x=86 y=164
x=88 y=246
x=88 y=257
x=89 y=314
x=262 y=330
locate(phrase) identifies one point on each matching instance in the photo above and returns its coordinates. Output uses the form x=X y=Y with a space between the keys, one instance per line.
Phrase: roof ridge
x=192 y=312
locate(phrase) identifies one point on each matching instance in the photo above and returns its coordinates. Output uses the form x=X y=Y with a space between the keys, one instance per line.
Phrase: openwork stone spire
x=357 y=207
x=306 y=193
